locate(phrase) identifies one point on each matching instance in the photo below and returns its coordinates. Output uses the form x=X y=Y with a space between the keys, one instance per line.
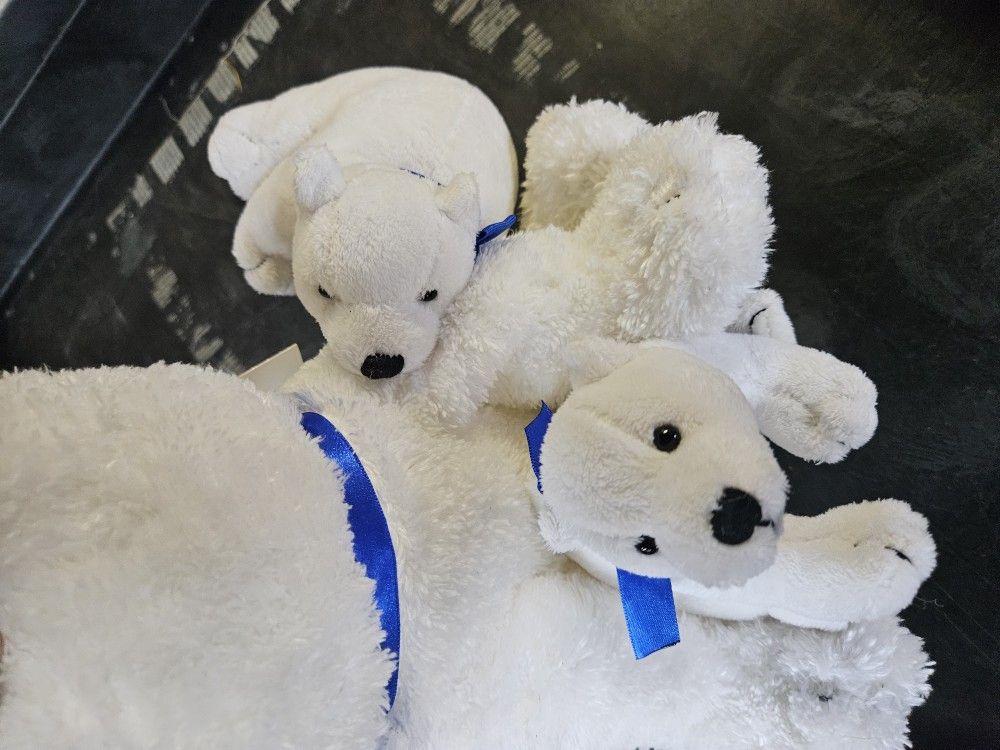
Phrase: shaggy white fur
x=396 y=118
x=378 y=257
x=177 y=570
x=673 y=246
x=188 y=576
x=506 y=646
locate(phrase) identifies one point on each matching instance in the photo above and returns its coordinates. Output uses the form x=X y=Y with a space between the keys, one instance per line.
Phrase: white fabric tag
x=272 y=373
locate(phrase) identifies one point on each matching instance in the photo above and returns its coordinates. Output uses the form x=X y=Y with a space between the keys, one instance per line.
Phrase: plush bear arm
x=502 y=340
x=569 y=150
x=262 y=238
x=853 y=563
x=806 y=401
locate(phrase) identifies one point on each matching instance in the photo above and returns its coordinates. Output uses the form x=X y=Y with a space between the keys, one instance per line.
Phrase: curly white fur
x=397 y=118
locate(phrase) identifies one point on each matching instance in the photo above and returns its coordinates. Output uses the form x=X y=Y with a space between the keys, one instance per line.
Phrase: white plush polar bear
x=199 y=541
x=176 y=570
x=409 y=128
x=572 y=150
x=515 y=648
x=675 y=241
x=855 y=562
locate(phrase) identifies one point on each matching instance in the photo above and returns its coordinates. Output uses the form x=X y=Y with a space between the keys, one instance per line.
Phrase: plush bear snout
x=380 y=365
x=737 y=514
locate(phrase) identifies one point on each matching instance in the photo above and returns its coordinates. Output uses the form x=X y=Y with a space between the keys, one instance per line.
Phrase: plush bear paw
x=271 y=275
x=763 y=314
x=238 y=159
x=889 y=536
x=821 y=409
x=856 y=562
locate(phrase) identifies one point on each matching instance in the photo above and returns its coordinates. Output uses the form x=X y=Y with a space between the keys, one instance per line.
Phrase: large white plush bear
x=177 y=571
x=397 y=134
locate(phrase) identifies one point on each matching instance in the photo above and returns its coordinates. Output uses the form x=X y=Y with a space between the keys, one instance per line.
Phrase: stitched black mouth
x=900 y=554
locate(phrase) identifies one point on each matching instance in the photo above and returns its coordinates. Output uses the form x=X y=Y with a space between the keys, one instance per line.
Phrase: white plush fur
x=176 y=570
x=569 y=151
x=675 y=240
x=577 y=153
x=511 y=647
x=854 y=563
x=673 y=246
x=366 y=256
x=395 y=118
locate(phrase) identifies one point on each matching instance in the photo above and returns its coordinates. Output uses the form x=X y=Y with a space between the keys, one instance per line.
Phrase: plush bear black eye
x=646 y=546
x=666 y=437
x=429 y=295
x=324 y=293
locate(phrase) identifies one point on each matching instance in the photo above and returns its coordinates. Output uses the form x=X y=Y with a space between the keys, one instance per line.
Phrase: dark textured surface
x=51 y=131
x=879 y=124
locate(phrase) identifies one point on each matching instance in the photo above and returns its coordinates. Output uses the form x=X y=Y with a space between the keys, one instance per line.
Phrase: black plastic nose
x=378 y=366
x=736 y=516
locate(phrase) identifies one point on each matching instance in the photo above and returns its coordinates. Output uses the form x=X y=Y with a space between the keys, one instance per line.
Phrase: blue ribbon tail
x=650 y=613
x=372 y=541
x=492 y=231
x=535 y=433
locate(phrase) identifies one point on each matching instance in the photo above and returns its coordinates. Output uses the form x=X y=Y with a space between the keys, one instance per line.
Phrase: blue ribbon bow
x=648 y=603
x=372 y=542
x=487 y=233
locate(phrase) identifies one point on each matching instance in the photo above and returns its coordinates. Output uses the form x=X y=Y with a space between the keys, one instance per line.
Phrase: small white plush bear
x=856 y=562
x=379 y=293
x=177 y=571
x=402 y=131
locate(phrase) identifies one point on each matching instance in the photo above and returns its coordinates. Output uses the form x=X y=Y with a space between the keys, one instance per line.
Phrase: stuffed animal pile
x=181 y=560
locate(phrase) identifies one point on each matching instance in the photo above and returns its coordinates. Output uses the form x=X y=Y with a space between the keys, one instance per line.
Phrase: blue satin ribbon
x=487 y=233
x=648 y=603
x=649 y=612
x=372 y=542
x=492 y=231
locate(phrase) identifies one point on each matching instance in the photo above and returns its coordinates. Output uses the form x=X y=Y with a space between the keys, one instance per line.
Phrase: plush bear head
x=659 y=468
x=378 y=256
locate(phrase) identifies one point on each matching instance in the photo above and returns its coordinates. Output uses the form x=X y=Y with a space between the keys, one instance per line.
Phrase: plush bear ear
x=318 y=177
x=591 y=359
x=459 y=201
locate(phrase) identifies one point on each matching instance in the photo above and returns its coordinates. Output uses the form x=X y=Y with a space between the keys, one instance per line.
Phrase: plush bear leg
x=262 y=238
x=806 y=401
x=570 y=148
x=853 y=563
x=249 y=141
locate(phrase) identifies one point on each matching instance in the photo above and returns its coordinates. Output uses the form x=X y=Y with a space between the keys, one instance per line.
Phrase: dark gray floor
x=879 y=124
